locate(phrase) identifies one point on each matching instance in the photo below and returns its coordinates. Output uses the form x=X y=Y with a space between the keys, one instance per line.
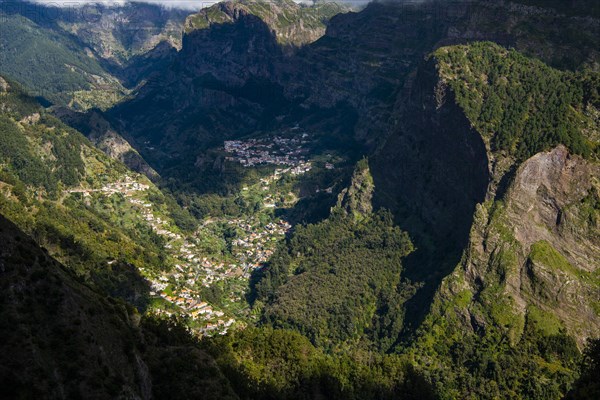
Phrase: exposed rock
x=540 y=247
x=357 y=198
x=4 y=86
x=104 y=137
x=293 y=23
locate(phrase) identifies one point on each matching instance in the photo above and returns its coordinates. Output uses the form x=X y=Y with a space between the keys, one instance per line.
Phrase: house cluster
x=126 y=187
x=179 y=287
x=220 y=327
x=277 y=150
x=256 y=244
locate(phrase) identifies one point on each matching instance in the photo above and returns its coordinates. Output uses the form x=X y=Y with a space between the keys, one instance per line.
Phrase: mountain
x=131 y=40
x=86 y=56
x=352 y=77
x=294 y=24
x=53 y=184
x=83 y=206
x=218 y=86
x=403 y=206
x=52 y=64
x=100 y=132
x=534 y=219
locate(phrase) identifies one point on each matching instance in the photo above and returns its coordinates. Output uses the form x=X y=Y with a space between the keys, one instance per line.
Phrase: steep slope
x=42 y=303
x=217 y=87
x=525 y=292
x=119 y=33
x=493 y=171
x=52 y=64
x=338 y=282
x=99 y=131
x=131 y=40
x=234 y=76
x=60 y=339
x=294 y=24
x=84 y=55
x=80 y=204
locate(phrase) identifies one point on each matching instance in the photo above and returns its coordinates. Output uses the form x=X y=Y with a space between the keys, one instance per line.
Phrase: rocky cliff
x=99 y=131
x=527 y=270
x=294 y=24
x=234 y=75
x=537 y=249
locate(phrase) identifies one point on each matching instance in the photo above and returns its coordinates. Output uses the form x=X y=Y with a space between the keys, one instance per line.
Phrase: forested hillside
x=401 y=202
x=53 y=65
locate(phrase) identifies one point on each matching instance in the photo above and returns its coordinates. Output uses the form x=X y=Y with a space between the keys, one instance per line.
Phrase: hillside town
x=178 y=289
x=126 y=187
x=276 y=150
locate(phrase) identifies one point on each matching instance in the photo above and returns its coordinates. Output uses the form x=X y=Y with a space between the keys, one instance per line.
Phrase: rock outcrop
x=105 y=138
x=4 y=86
x=539 y=248
x=294 y=24
x=357 y=199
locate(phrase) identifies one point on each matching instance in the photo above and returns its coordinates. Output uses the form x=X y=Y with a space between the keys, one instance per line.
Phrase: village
x=178 y=290
x=276 y=150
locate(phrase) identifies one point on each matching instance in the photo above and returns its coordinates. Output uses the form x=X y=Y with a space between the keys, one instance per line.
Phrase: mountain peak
x=294 y=24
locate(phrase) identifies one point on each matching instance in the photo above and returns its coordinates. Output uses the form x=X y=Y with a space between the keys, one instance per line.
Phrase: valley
x=274 y=200
x=206 y=276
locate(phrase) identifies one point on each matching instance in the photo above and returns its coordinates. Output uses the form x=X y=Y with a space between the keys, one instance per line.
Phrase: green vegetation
x=544 y=253
x=294 y=24
x=485 y=365
x=50 y=64
x=588 y=386
x=339 y=281
x=98 y=236
x=267 y=364
x=520 y=105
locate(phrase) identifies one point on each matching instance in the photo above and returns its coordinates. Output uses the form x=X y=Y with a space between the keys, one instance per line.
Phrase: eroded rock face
x=545 y=201
x=234 y=76
x=105 y=138
x=357 y=199
x=539 y=247
x=433 y=169
x=292 y=23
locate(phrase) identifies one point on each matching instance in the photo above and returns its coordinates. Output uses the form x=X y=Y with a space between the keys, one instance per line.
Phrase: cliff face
x=117 y=33
x=505 y=226
x=234 y=74
x=99 y=131
x=537 y=249
x=518 y=281
x=357 y=199
x=293 y=24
